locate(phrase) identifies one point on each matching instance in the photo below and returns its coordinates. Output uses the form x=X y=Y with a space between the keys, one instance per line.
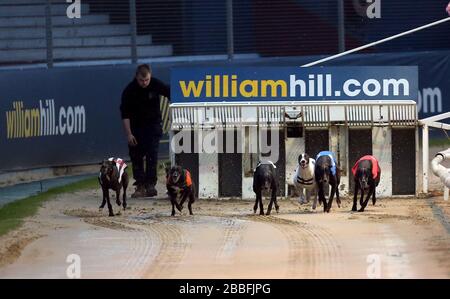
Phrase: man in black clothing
x=141 y=116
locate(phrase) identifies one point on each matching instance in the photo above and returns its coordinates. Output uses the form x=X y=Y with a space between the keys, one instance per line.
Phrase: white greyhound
x=304 y=179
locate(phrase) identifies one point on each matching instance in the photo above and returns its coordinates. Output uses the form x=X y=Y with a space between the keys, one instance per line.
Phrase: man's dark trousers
x=148 y=139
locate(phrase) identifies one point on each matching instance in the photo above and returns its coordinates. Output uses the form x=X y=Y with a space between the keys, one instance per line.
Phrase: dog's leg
x=124 y=197
x=374 y=199
x=320 y=194
x=103 y=200
x=261 y=207
x=173 y=197
x=118 y=202
x=361 y=201
x=273 y=198
x=302 y=195
x=173 y=201
x=184 y=195
x=173 y=207
x=330 y=201
x=363 y=206
x=355 y=197
x=314 y=206
x=277 y=207
x=191 y=201
x=255 y=207
x=308 y=195
x=125 y=182
x=338 y=199
x=110 y=209
x=300 y=191
x=338 y=182
x=322 y=198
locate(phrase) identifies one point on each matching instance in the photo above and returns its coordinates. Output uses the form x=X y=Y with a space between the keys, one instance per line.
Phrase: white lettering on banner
x=430 y=100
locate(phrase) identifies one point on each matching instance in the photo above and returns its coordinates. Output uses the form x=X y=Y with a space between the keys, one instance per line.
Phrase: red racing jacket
x=375 y=166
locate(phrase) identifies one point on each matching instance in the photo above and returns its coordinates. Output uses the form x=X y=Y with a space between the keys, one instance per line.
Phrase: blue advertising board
x=256 y=84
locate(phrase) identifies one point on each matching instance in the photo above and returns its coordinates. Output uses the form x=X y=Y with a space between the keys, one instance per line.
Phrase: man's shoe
x=140 y=192
x=151 y=191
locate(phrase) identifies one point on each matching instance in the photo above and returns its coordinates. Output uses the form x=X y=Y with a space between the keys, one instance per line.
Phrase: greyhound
x=304 y=179
x=327 y=173
x=367 y=174
x=113 y=176
x=178 y=180
x=265 y=179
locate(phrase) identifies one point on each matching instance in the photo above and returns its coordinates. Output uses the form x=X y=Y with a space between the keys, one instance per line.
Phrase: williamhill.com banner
x=256 y=84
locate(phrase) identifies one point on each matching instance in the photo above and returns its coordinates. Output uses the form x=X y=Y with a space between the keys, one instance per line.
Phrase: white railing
x=307 y=114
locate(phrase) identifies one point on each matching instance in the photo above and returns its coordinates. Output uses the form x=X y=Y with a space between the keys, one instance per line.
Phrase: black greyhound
x=110 y=178
x=367 y=174
x=327 y=173
x=265 y=179
x=178 y=180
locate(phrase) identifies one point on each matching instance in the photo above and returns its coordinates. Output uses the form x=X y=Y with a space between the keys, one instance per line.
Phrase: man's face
x=143 y=81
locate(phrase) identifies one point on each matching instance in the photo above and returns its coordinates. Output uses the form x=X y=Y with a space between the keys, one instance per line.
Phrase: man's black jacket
x=142 y=105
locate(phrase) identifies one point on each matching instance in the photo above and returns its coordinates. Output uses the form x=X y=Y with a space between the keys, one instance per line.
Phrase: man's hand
x=448 y=8
x=131 y=140
x=126 y=125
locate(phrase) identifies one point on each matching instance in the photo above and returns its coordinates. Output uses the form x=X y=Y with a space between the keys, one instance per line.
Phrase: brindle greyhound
x=178 y=180
x=111 y=177
x=265 y=179
x=367 y=174
x=327 y=173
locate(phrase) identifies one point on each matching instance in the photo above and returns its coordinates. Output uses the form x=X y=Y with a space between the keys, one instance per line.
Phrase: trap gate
x=223 y=142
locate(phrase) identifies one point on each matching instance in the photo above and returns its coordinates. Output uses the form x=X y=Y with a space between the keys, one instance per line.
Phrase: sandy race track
x=398 y=238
